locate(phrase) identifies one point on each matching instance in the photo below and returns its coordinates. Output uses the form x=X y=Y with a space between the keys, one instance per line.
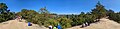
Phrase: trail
x=103 y=24
x=15 y=24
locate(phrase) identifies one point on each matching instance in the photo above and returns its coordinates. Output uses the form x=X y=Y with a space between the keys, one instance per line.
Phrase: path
x=103 y=24
x=15 y=24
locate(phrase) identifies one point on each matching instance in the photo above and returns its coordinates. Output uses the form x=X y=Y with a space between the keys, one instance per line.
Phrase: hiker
x=50 y=27
x=87 y=22
x=59 y=27
x=29 y=24
x=19 y=18
x=54 y=28
x=83 y=23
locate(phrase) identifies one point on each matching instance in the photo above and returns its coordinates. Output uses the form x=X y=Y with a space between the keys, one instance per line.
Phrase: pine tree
x=4 y=13
x=99 y=11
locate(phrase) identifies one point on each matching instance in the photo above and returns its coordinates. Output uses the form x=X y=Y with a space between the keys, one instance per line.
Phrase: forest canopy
x=45 y=18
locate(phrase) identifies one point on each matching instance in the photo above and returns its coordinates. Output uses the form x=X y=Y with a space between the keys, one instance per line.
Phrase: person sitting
x=59 y=27
x=50 y=27
x=54 y=28
x=29 y=24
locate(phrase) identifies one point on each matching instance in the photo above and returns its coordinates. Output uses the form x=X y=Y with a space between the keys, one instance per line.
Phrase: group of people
x=19 y=18
x=57 y=27
x=88 y=22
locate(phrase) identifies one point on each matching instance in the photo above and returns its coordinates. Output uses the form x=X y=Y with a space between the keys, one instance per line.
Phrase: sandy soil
x=103 y=24
x=15 y=24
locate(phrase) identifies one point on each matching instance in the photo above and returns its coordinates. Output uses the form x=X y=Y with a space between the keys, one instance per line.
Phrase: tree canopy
x=43 y=17
x=5 y=14
x=99 y=11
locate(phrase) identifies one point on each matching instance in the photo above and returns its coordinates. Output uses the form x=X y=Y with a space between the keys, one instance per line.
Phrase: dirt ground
x=15 y=24
x=103 y=24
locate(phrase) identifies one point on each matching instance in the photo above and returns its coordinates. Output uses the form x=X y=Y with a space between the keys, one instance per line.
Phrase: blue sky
x=61 y=6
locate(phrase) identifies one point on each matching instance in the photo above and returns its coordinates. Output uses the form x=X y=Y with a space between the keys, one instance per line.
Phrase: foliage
x=5 y=14
x=114 y=16
x=64 y=22
x=99 y=11
x=43 y=17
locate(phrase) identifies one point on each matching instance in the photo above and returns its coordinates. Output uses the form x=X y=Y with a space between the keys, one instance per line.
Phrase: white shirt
x=50 y=26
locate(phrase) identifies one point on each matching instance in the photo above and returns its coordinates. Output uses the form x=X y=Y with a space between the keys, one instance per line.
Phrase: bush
x=114 y=17
x=64 y=22
x=5 y=14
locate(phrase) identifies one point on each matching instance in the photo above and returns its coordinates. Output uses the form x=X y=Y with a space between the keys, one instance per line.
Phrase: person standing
x=50 y=27
x=54 y=28
x=59 y=27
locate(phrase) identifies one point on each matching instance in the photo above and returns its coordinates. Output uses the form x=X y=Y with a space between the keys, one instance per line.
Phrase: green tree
x=110 y=12
x=28 y=15
x=99 y=11
x=114 y=16
x=64 y=22
x=75 y=20
x=43 y=11
x=5 y=14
